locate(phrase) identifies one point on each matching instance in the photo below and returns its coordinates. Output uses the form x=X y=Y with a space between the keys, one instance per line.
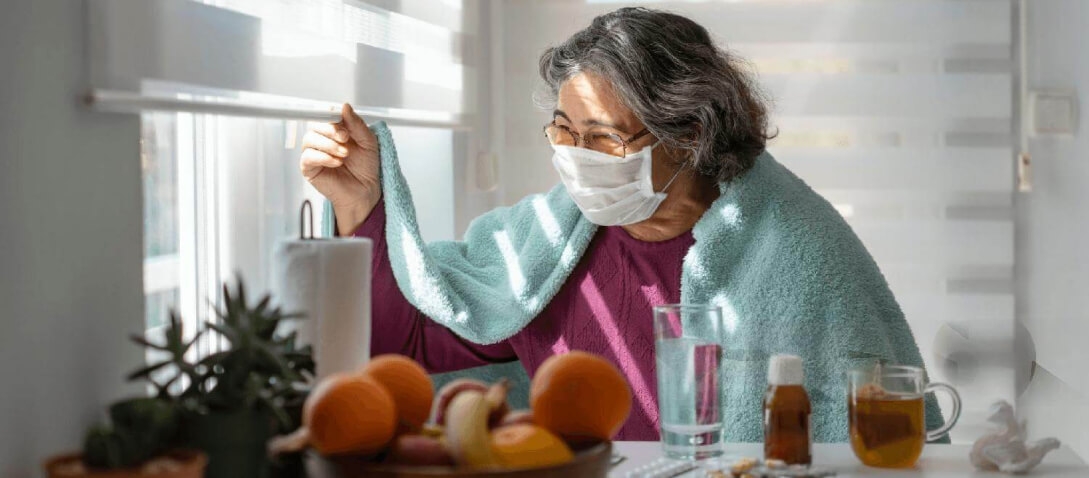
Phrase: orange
x=528 y=446
x=349 y=413
x=409 y=385
x=580 y=397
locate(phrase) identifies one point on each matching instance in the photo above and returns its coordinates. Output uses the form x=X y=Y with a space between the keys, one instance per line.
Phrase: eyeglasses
x=608 y=143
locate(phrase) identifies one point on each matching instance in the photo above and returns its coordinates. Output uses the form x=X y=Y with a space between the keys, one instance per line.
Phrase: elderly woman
x=667 y=196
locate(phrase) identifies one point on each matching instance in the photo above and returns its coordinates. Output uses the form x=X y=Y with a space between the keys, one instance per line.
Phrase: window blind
x=406 y=60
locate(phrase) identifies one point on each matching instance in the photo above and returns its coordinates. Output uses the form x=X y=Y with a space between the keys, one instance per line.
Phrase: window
x=217 y=193
x=220 y=192
x=221 y=87
x=160 y=186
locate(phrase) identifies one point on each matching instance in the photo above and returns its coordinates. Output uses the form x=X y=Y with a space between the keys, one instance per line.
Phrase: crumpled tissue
x=1004 y=449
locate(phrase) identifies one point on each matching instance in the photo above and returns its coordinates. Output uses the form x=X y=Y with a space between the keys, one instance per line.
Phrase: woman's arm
x=398 y=327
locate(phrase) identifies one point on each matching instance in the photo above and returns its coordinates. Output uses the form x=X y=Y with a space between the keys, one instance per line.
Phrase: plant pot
x=234 y=441
x=183 y=464
x=289 y=465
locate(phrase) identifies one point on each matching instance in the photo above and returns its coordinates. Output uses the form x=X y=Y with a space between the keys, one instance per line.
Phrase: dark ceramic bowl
x=590 y=462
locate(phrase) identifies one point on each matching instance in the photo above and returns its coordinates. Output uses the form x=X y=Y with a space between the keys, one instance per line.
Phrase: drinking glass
x=688 y=354
x=886 y=414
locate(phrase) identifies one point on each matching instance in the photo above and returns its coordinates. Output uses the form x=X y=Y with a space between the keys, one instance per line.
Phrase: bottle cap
x=785 y=370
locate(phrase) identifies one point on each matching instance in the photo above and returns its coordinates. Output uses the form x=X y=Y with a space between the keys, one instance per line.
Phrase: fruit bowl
x=386 y=421
x=590 y=462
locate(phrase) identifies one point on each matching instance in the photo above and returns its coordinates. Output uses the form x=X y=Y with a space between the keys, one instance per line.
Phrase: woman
x=667 y=195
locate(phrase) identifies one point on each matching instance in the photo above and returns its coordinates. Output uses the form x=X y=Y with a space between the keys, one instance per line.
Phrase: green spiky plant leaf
x=259 y=368
x=176 y=348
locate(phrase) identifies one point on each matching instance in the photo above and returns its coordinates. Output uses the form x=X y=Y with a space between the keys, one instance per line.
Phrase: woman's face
x=587 y=104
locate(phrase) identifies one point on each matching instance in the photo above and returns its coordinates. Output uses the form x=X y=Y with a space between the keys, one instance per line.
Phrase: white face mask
x=610 y=191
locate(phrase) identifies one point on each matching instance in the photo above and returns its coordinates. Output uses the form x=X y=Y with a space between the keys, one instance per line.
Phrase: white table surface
x=944 y=461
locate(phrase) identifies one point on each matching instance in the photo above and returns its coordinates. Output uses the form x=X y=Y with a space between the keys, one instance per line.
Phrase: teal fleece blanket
x=787 y=270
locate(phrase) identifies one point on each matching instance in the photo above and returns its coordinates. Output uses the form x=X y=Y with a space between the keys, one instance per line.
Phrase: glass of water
x=688 y=352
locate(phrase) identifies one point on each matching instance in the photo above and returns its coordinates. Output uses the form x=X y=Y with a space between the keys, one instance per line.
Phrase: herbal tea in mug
x=886 y=414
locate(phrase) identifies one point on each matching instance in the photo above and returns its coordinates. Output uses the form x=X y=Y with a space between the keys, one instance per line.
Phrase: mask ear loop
x=678 y=173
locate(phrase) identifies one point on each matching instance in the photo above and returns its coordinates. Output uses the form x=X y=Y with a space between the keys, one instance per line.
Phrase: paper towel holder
x=306 y=211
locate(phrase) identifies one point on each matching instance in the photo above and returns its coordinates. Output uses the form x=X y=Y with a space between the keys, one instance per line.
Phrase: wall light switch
x=1054 y=113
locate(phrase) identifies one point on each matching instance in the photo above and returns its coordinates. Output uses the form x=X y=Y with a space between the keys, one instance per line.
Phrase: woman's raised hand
x=341 y=161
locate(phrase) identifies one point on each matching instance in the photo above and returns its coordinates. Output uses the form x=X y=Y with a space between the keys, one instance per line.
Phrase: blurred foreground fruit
x=527 y=446
x=433 y=431
x=496 y=396
x=517 y=417
x=419 y=450
x=451 y=390
x=349 y=413
x=409 y=385
x=580 y=396
x=467 y=430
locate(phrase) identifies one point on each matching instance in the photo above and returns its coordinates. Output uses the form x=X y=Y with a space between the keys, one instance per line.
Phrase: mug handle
x=942 y=430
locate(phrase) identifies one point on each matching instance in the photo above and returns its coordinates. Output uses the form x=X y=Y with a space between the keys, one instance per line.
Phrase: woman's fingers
x=334 y=131
x=314 y=139
x=357 y=128
x=313 y=161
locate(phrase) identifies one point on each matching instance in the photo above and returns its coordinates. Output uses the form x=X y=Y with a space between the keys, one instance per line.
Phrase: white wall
x=70 y=239
x=1053 y=233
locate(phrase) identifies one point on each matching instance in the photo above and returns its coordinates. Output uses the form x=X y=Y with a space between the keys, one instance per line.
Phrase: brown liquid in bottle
x=786 y=425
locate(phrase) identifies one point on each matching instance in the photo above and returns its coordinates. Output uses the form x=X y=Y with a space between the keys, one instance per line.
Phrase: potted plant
x=226 y=405
x=237 y=398
x=138 y=442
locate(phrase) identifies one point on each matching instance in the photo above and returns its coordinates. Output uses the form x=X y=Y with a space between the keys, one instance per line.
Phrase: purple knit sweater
x=605 y=308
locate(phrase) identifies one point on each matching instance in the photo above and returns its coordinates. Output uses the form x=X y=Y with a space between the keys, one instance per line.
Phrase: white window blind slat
x=351 y=21
x=883 y=123
x=928 y=282
x=453 y=15
x=938 y=242
x=928 y=96
x=883 y=51
x=842 y=21
x=316 y=50
x=912 y=170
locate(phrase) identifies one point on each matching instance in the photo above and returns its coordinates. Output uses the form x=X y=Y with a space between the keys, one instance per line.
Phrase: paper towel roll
x=329 y=280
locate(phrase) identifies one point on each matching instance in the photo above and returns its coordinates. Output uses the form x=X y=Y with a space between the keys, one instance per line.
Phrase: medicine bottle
x=787 y=433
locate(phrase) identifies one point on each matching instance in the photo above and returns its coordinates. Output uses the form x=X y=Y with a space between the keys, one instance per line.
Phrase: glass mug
x=886 y=414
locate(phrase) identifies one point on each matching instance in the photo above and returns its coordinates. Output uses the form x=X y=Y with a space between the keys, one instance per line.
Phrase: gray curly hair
x=689 y=93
